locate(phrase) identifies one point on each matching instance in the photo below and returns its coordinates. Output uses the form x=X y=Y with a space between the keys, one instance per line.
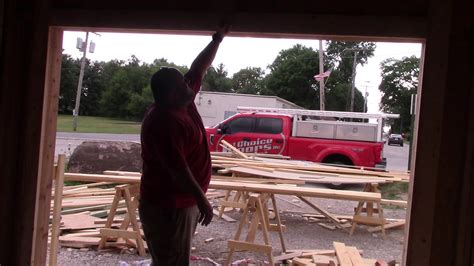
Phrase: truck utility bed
x=336 y=130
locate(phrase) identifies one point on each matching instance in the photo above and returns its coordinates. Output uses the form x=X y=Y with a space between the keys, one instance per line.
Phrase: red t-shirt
x=172 y=140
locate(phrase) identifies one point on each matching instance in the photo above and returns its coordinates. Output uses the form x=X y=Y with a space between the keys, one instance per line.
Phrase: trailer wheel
x=337 y=159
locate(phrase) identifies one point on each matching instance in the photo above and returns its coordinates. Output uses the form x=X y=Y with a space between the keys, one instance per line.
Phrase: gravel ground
x=300 y=234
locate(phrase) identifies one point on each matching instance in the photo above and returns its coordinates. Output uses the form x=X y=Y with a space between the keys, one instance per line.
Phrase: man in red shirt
x=176 y=161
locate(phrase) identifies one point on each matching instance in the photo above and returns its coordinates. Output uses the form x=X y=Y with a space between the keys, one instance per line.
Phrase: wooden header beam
x=257 y=25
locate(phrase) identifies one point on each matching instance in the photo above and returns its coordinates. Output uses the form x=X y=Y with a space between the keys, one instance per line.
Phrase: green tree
x=399 y=82
x=139 y=103
x=248 y=80
x=92 y=89
x=341 y=59
x=123 y=80
x=91 y=86
x=291 y=76
x=162 y=62
x=68 y=86
x=216 y=80
x=338 y=98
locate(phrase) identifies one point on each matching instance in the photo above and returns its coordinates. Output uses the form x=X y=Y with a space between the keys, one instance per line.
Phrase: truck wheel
x=338 y=160
x=336 y=186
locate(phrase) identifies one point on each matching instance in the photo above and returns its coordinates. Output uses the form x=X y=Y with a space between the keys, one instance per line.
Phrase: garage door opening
x=230 y=78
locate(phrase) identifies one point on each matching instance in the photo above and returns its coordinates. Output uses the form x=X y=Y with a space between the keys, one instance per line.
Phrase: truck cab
x=252 y=133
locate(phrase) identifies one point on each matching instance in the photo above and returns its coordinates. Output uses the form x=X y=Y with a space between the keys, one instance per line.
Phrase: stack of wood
x=84 y=210
x=277 y=166
x=341 y=255
x=276 y=169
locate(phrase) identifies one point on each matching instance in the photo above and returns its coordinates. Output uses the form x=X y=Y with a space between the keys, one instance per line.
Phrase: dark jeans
x=168 y=233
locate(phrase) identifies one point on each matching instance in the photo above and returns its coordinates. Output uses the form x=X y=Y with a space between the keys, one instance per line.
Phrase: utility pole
x=354 y=66
x=321 y=82
x=412 y=127
x=365 y=97
x=79 y=84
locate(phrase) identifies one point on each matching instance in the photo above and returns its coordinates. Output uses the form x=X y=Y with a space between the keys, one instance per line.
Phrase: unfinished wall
x=442 y=179
x=21 y=105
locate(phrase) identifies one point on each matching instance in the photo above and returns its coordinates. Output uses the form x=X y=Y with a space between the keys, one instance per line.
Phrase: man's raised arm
x=204 y=60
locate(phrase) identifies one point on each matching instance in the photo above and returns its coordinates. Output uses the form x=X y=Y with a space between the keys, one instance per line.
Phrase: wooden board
x=356 y=259
x=78 y=221
x=56 y=221
x=225 y=217
x=310 y=178
x=342 y=255
x=79 y=240
x=241 y=245
x=368 y=220
x=399 y=203
x=300 y=191
x=234 y=149
x=283 y=257
x=387 y=226
x=321 y=260
x=101 y=178
x=258 y=180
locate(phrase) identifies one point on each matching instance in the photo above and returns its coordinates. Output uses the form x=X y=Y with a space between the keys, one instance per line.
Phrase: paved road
x=66 y=142
x=397 y=157
x=98 y=136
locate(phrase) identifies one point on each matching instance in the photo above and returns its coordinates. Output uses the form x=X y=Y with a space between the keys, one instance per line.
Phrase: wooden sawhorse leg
x=254 y=207
x=369 y=218
x=124 y=192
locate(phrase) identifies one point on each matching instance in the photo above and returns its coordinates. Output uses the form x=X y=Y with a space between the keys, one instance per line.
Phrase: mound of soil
x=94 y=157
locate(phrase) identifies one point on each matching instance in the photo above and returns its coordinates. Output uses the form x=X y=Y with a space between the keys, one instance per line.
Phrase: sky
x=234 y=52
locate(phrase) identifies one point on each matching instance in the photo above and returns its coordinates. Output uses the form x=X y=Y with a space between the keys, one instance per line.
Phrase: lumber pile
x=341 y=255
x=279 y=170
x=307 y=171
x=79 y=213
x=84 y=209
x=277 y=166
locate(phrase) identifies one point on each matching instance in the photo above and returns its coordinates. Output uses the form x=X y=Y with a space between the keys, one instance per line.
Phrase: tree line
x=120 y=88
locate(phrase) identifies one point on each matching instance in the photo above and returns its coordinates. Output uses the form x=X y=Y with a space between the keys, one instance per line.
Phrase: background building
x=217 y=106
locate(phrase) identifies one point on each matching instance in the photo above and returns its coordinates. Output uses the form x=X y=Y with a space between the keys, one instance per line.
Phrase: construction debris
x=342 y=255
x=79 y=212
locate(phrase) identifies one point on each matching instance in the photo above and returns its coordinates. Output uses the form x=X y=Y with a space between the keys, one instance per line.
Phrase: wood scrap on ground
x=341 y=255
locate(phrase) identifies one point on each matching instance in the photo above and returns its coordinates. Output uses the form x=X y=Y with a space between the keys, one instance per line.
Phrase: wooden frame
x=440 y=228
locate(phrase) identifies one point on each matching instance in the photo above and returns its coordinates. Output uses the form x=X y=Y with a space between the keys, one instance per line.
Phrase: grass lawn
x=394 y=191
x=90 y=124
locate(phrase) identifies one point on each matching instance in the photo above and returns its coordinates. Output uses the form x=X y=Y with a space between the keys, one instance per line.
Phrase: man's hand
x=221 y=32
x=205 y=211
x=223 y=29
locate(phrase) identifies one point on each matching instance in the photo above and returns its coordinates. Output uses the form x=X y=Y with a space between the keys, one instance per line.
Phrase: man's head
x=170 y=88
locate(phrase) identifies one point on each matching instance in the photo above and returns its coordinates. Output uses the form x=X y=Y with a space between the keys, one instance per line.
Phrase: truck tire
x=338 y=160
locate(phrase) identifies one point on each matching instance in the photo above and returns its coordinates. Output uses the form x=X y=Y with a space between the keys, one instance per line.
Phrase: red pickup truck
x=291 y=133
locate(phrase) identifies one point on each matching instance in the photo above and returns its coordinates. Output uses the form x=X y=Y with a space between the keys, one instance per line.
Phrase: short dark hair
x=162 y=83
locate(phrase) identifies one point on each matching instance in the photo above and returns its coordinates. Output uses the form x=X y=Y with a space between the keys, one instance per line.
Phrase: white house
x=217 y=106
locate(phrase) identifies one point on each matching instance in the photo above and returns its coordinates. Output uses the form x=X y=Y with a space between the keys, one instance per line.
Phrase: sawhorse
x=369 y=209
x=129 y=193
x=239 y=201
x=256 y=206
